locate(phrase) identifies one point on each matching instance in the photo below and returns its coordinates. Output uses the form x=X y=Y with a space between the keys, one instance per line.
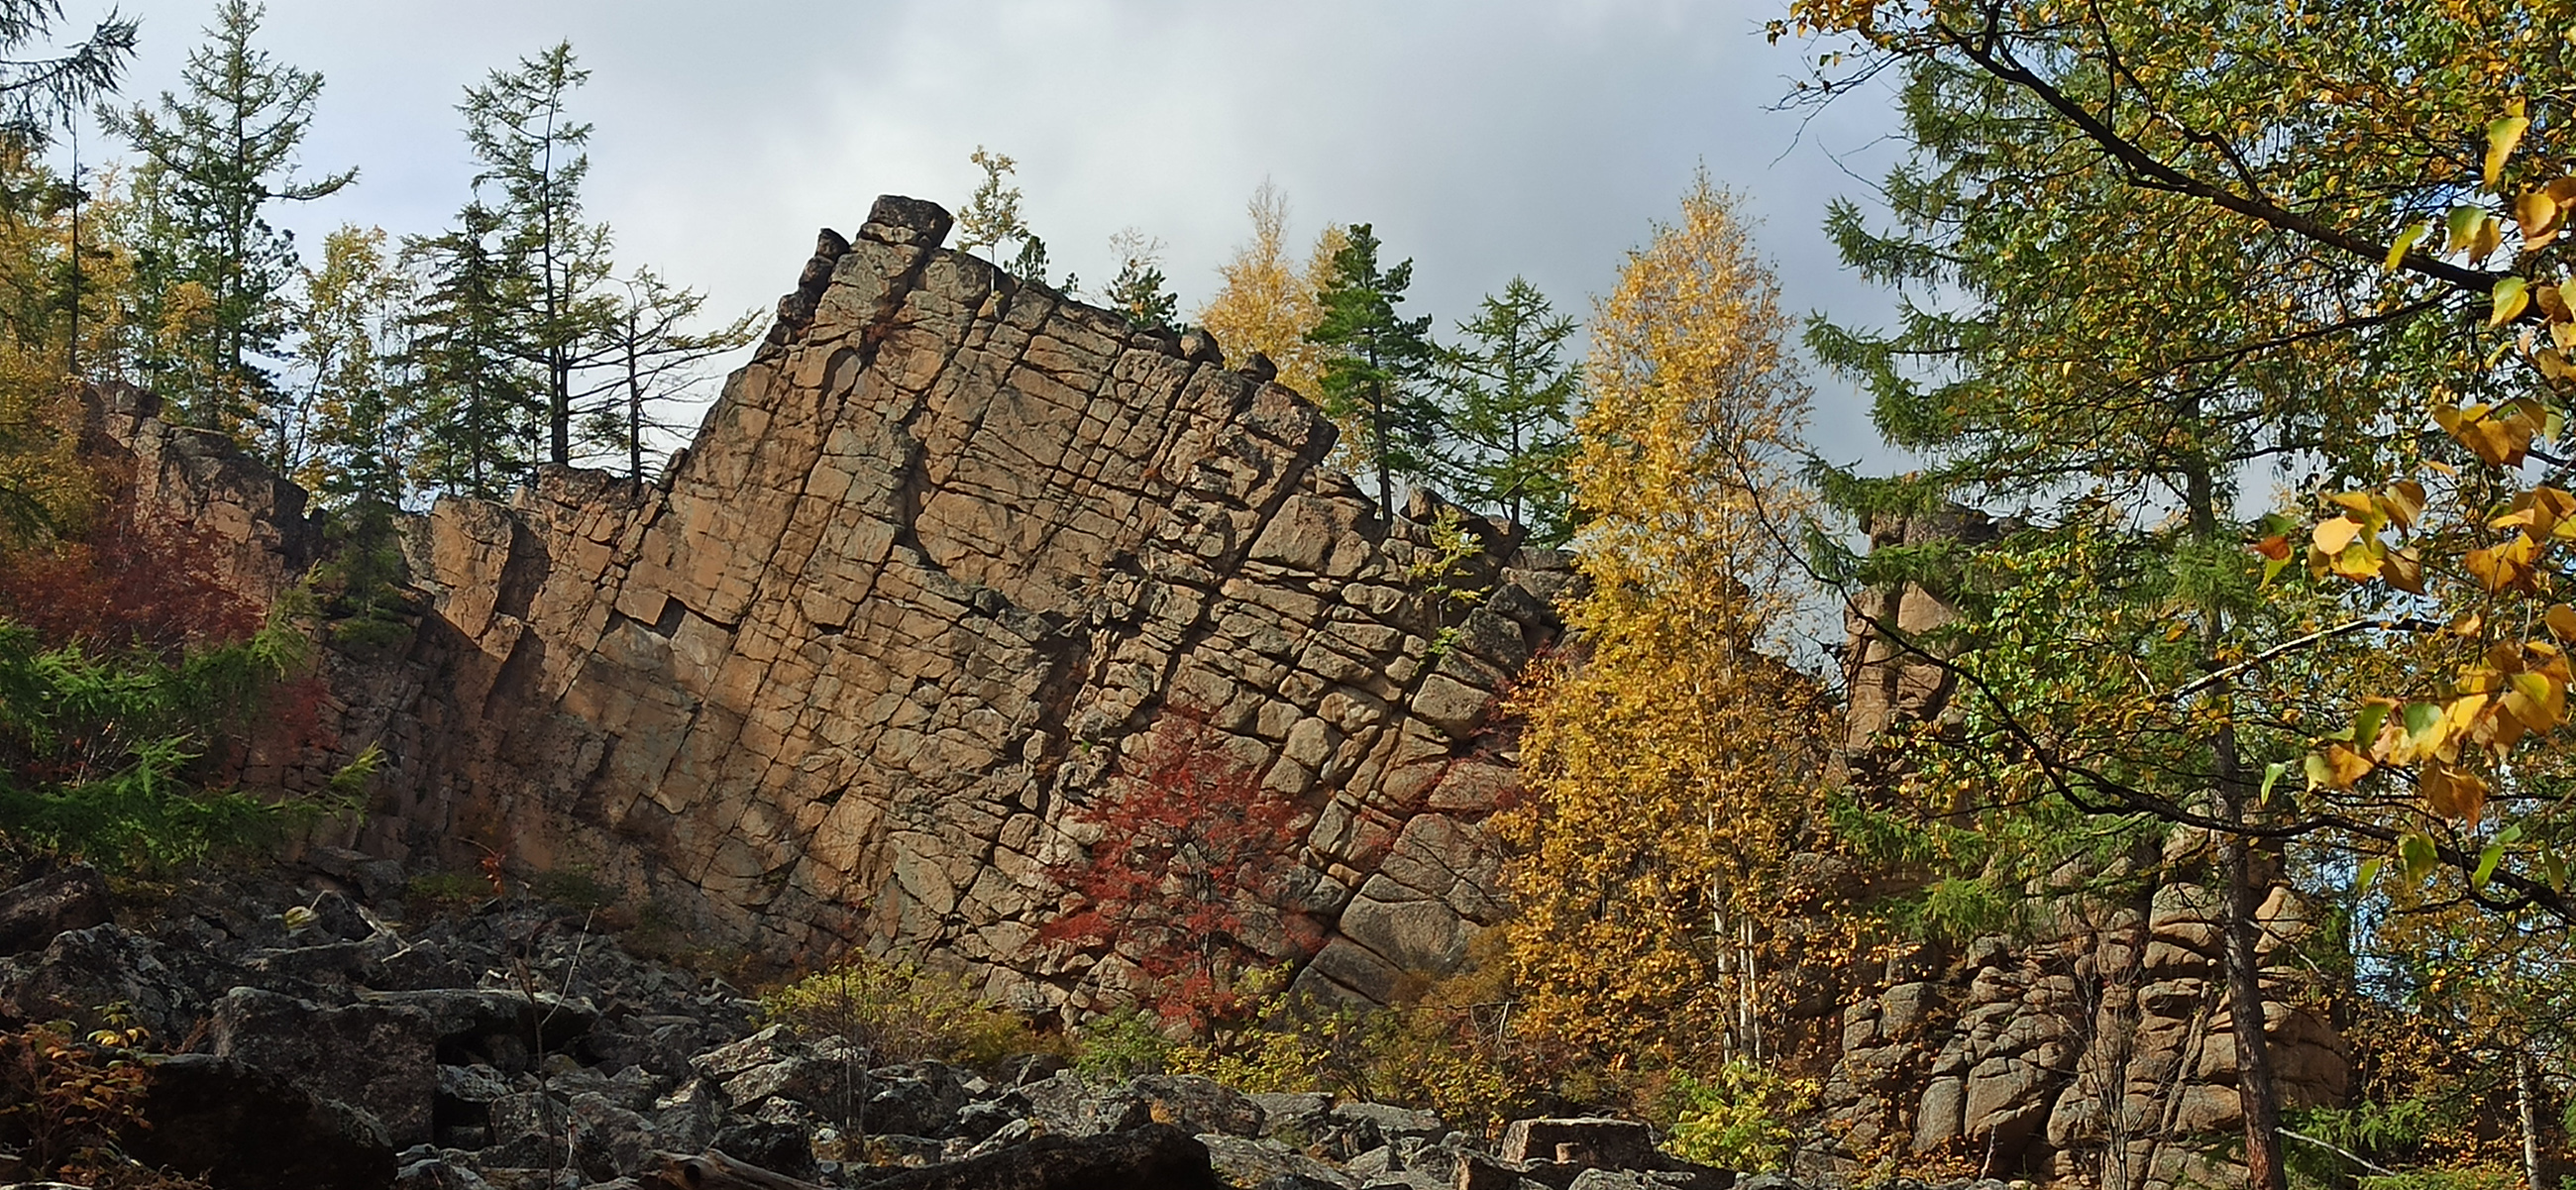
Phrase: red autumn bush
x=1194 y=875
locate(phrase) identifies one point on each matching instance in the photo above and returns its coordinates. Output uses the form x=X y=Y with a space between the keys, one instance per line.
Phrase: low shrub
x=896 y=1012
x=64 y=1103
x=1122 y=1045
x=1741 y=1117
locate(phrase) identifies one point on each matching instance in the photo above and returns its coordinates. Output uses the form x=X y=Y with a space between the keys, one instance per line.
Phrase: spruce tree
x=483 y=404
x=1506 y=399
x=1373 y=381
x=210 y=266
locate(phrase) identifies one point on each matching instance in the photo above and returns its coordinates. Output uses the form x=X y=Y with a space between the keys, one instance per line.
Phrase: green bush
x=1739 y=1118
x=99 y=750
x=896 y=1012
x=1122 y=1045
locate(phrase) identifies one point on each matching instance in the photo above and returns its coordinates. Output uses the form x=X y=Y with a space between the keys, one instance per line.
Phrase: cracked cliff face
x=938 y=557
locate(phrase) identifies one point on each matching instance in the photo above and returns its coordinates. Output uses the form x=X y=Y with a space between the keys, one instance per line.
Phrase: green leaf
x=2487 y=861
x=2419 y=855
x=2365 y=727
x=2406 y=241
x=2502 y=135
x=2369 y=875
x=2464 y=226
x=2511 y=296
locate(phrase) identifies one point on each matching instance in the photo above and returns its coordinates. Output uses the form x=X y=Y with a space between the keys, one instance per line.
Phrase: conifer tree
x=649 y=356
x=1265 y=298
x=212 y=271
x=1373 y=378
x=483 y=403
x=41 y=94
x=531 y=149
x=1506 y=402
x=1137 y=291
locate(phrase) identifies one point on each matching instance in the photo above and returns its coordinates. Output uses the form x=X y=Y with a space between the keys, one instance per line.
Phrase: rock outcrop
x=937 y=561
x=2097 y=1050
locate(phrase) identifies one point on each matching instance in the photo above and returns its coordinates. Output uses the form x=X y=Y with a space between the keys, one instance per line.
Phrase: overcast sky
x=1483 y=138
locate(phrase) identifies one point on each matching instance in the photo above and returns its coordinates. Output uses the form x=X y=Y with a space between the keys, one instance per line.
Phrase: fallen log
x=712 y=1170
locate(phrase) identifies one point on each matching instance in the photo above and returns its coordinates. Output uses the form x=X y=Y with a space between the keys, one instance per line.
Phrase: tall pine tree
x=213 y=274
x=1373 y=381
x=530 y=150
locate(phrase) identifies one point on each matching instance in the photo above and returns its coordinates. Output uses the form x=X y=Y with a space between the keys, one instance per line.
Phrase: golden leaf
x=2359 y=561
x=2503 y=134
x=2404 y=570
x=2537 y=214
x=2338 y=767
x=2403 y=501
x=2453 y=793
x=2552 y=302
x=2332 y=536
x=2539 y=701
x=2495 y=567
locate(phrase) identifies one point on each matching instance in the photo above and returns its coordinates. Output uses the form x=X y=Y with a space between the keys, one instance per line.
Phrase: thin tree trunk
x=2256 y=1088
x=634 y=408
x=2526 y=1098
x=2257 y=1092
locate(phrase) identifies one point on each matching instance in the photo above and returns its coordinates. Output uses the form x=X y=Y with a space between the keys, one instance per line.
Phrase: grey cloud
x=1484 y=138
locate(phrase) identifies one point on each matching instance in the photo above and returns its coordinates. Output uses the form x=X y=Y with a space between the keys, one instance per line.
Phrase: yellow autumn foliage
x=1672 y=766
x=1267 y=300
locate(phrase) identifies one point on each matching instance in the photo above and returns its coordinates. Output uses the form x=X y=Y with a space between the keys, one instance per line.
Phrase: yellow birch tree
x=1671 y=764
x=1267 y=300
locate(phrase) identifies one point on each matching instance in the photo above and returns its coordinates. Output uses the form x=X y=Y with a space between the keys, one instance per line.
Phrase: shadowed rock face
x=936 y=561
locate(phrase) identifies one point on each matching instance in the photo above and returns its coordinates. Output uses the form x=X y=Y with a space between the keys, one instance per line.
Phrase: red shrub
x=125 y=583
x=1193 y=875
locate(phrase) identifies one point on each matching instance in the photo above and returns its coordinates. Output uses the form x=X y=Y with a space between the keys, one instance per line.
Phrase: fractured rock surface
x=938 y=558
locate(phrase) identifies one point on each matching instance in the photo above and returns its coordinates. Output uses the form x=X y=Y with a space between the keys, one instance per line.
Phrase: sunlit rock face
x=938 y=559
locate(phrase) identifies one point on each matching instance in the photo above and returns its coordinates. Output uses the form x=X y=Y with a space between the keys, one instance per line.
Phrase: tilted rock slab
x=937 y=559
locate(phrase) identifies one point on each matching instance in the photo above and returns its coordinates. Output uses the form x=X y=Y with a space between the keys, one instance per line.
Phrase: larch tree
x=213 y=273
x=354 y=420
x=648 y=356
x=1265 y=299
x=1374 y=370
x=1507 y=400
x=1669 y=759
x=528 y=145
